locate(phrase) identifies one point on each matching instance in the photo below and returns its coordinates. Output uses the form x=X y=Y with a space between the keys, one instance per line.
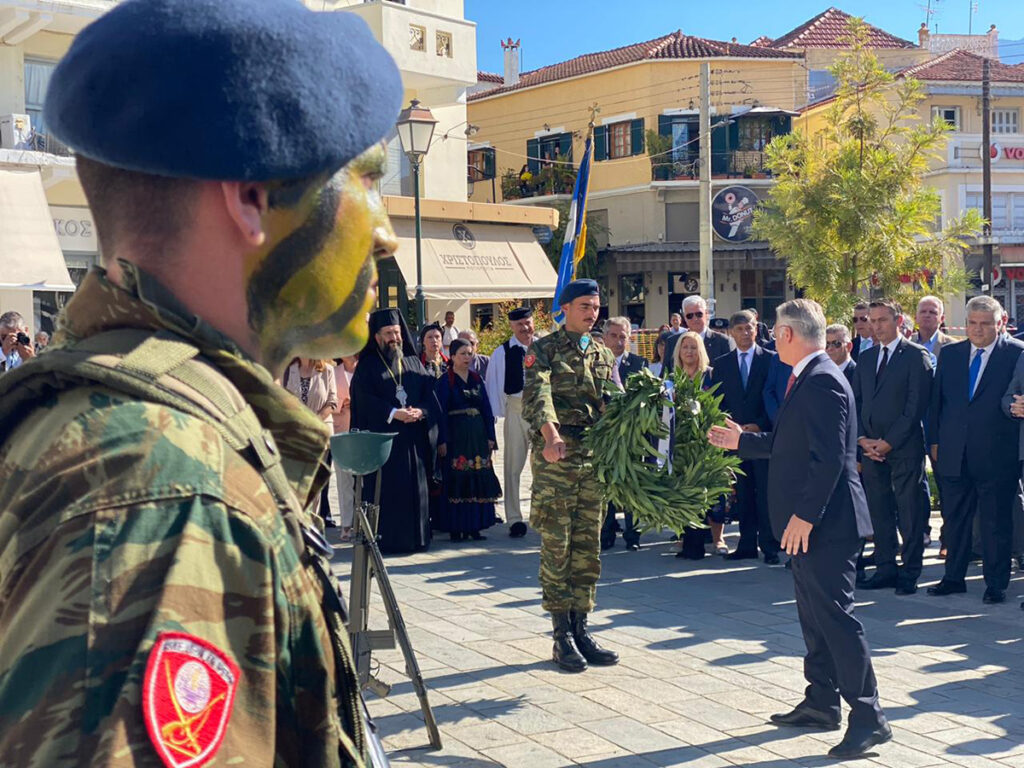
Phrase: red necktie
x=789 y=385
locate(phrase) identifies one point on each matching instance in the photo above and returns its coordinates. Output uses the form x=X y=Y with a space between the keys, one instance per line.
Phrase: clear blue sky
x=555 y=30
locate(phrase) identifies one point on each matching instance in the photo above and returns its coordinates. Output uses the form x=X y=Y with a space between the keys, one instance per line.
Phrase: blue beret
x=578 y=288
x=520 y=313
x=226 y=90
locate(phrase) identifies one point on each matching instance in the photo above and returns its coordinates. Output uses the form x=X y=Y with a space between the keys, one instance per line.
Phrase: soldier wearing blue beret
x=170 y=596
x=568 y=377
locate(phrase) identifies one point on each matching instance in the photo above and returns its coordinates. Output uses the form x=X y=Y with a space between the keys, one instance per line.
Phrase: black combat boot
x=588 y=646
x=565 y=654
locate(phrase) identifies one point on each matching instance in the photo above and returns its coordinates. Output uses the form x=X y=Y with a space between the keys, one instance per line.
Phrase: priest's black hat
x=383 y=318
x=224 y=90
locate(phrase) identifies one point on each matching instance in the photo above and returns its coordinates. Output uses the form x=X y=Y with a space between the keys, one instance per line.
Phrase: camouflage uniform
x=567 y=386
x=121 y=519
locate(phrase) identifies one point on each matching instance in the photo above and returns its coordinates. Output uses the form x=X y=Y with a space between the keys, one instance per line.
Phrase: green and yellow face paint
x=310 y=287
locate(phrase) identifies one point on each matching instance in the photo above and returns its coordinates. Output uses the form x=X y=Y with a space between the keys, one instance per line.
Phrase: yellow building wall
x=507 y=121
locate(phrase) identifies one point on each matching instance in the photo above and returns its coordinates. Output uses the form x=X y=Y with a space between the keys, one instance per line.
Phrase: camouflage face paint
x=310 y=288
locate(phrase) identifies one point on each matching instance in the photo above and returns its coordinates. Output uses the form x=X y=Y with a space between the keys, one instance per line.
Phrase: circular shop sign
x=465 y=237
x=732 y=213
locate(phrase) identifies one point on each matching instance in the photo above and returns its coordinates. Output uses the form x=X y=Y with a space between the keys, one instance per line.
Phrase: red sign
x=998 y=151
x=188 y=693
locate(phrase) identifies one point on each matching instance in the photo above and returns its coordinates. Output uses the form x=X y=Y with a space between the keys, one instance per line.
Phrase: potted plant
x=659 y=148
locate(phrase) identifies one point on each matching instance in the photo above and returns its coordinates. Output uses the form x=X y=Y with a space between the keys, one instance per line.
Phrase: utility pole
x=707 y=266
x=986 y=170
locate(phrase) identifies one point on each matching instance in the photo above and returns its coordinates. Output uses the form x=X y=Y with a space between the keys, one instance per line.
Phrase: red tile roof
x=762 y=42
x=673 y=46
x=962 y=65
x=829 y=30
x=489 y=77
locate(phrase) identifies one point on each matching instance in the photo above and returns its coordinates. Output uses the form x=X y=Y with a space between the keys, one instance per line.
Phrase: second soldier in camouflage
x=568 y=376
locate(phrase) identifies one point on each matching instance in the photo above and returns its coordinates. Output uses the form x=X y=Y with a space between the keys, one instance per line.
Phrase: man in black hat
x=154 y=480
x=506 y=376
x=392 y=392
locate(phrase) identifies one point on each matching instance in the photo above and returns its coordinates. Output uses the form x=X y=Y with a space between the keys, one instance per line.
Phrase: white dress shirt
x=495 y=381
x=984 y=362
x=799 y=367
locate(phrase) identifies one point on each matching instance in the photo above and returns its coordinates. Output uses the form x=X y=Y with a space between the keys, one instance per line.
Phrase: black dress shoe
x=947 y=588
x=477 y=536
x=878 y=581
x=805 y=717
x=906 y=589
x=857 y=742
x=742 y=554
x=329 y=523
x=517 y=530
x=771 y=558
x=993 y=596
x=633 y=547
x=690 y=555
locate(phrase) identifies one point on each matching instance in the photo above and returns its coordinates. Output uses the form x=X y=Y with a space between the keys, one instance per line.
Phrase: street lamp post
x=415 y=130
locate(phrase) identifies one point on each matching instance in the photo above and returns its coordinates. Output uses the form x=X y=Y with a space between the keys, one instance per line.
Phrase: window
x=481 y=164
x=444 y=44
x=1005 y=121
x=755 y=133
x=1001 y=209
x=631 y=298
x=950 y=114
x=542 y=151
x=622 y=139
x=762 y=290
x=37 y=80
x=417 y=37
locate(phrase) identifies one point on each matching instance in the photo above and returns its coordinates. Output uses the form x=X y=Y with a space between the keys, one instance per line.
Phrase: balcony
x=44 y=142
x=548 y=181
x=735 y=164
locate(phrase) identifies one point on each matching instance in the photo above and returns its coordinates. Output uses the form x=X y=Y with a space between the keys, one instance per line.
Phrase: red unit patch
x=530 y=360
x=187 y=697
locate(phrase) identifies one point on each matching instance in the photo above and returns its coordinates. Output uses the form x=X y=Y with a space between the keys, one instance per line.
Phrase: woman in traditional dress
x=465 y=443
x=431 y=356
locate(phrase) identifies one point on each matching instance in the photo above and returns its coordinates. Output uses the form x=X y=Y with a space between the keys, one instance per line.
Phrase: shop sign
x=543 y=234
x=732 y=213
x=1012 y=273
x=75 y=229
x=997 y=152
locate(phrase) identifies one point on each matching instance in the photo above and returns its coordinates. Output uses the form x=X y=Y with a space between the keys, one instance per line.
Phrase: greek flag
x=575 y=242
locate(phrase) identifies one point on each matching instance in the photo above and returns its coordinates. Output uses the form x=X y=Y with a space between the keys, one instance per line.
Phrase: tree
x=850 y=211
x=588 y=265
x=499 y=329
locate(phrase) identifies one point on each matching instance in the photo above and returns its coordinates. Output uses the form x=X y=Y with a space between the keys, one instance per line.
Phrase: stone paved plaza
x=709 y=650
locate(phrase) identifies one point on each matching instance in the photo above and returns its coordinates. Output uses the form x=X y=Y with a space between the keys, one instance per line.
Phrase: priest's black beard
x=390 y=351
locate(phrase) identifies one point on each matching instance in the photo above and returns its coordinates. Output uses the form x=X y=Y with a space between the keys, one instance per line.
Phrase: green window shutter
x=636 y=130
x=665 y=125
x=601 y=142
x=565 y=146
x=533 y=155
x=489 y=164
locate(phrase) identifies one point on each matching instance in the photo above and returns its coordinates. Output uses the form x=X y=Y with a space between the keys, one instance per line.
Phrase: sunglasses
x=834 y=344
x=691 y=315
x=860 y=319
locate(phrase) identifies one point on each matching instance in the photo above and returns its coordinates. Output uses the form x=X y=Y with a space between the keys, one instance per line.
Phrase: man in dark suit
x=696 y=317
x=1013 y=406
x=740 y=377
x=616 y=337
x=974 y=449
x=892 y=387
x=820 y=514
x=863 y=338
x=837 y=347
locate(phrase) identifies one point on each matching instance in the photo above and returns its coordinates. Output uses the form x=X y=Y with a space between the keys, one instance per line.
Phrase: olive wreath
x=626 y=460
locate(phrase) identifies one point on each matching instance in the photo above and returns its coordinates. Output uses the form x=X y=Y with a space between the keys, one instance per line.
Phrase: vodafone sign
x=999 y=152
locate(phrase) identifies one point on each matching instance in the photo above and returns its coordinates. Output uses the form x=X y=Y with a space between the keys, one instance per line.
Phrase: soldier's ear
x=246 y=204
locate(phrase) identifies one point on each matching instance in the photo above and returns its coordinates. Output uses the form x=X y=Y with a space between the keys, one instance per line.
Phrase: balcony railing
x=44 y=142
x=738 y=163
x=549 y=180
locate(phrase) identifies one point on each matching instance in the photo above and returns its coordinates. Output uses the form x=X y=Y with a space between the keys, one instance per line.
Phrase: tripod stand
x=362 y=453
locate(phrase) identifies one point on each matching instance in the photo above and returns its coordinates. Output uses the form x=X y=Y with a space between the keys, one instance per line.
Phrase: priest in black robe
x=392 y=392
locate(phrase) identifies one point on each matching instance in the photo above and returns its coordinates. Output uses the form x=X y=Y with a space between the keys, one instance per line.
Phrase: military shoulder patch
x=187 y=696
x=529 y=360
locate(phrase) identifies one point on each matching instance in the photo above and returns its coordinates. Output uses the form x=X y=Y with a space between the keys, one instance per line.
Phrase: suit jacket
x=975 y=428
x=715 y=344
x=855 y=352
x=894 y=407
x=775 y=387
x=631 y=364
x=813 y=452
x=850 y=370
x=941 y=340
x=746 y=406
x=1016 y=387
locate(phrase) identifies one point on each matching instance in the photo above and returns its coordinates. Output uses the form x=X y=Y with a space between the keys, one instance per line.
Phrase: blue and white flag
x=575 y=242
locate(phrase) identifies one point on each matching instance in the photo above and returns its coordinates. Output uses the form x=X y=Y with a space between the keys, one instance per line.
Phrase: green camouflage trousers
x=567 y=509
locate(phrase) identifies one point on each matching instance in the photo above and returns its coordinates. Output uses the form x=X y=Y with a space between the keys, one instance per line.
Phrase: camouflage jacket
x=122 y=520
x=566 y=385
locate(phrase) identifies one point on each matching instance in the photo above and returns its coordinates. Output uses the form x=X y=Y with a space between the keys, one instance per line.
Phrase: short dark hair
x=741 y=317
x=890 y=304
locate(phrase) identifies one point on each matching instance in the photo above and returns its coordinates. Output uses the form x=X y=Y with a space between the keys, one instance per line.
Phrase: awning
x=475 y=261
x=30 y=254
